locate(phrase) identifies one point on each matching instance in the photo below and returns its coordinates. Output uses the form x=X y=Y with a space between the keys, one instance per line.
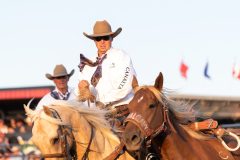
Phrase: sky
x=157 y=34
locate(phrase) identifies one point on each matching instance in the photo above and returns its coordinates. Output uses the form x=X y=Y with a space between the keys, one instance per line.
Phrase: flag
x=205 y=72
x=236 y=71
x=183 y=70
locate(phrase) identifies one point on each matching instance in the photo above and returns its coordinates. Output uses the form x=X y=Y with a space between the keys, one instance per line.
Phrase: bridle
x=149 y=133
x=66 y=151
x=63 y=134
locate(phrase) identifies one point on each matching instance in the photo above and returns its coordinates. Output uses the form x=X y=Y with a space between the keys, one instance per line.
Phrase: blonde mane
x=93 y=116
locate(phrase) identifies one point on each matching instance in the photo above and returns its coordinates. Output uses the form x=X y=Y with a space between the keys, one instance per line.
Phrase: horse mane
x=94 y=116
x=34 y=115
x=181 y=110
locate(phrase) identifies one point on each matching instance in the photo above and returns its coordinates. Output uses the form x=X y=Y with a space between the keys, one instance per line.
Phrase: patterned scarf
x=56 y=95
x=98 y=72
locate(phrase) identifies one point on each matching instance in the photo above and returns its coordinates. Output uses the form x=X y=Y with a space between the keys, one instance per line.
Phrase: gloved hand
x=85 y=93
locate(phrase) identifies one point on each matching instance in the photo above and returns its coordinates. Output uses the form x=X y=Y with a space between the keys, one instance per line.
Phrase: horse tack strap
x=139 y=121
x=85 y=156
x=116 y=152
x=63 y=141
x=121 y=114
x=219 y=132
x=118 y=111
x=204 y=125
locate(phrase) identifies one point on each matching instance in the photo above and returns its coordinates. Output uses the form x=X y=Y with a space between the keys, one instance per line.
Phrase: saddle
x=115 y=114
x=211 y=127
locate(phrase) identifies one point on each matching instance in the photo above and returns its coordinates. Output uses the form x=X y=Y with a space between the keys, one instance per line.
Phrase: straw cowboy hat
x=59 y=71
x=102 y=28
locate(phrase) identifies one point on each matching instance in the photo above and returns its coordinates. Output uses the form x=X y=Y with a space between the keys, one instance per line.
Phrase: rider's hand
x=85 y=93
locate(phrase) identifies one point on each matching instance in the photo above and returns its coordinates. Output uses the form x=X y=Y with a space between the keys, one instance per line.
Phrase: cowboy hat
x=59 y=71
x=102 y=28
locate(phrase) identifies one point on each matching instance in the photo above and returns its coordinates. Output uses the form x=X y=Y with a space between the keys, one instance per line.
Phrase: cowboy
x=111 y=75
x=60 y=78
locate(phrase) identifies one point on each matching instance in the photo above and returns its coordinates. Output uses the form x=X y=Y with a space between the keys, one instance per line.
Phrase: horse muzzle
x=133 y=139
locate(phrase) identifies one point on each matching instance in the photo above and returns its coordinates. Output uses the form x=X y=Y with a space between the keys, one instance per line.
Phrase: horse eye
x=55 y=140
x=151 y=105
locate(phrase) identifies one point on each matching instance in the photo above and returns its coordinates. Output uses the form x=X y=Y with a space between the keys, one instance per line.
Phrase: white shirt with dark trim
x=48 y=99
x=116 y=81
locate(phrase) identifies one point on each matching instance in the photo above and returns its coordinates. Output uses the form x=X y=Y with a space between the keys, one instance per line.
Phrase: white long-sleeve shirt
x=116 y=81
x=48 y=99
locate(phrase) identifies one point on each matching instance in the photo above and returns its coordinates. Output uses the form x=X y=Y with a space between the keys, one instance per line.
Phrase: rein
x=63 y=140
x=143 y=125
x=117 y=152
x=85 y=156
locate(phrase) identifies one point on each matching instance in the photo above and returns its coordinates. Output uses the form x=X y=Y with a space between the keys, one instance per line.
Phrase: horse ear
x=134 y=83
x=47 y=110
x=159 y=82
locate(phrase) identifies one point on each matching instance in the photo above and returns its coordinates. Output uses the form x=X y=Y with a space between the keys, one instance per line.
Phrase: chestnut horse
x=69 y=130
x=155 y=123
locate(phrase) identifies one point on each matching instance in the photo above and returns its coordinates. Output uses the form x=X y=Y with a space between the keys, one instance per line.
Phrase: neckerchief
x=98 y=72
x=58 y=96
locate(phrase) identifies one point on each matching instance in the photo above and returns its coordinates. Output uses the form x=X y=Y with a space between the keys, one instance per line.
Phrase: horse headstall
x=143 y=125
x=63 y=133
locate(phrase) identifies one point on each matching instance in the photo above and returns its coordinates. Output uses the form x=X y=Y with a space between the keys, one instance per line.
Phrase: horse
x=159 y=124
x=70 y=130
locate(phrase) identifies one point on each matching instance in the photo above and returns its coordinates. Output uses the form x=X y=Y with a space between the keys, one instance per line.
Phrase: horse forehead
x=141 y=98
x=144 y=95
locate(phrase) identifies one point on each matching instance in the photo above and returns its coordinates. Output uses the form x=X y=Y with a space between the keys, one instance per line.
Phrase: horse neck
x=102 y=145
x=106 y=144
x=171 y=126
x=175 y=141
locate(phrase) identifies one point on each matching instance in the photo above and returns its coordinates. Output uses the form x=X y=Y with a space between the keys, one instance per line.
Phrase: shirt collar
x=61 y=94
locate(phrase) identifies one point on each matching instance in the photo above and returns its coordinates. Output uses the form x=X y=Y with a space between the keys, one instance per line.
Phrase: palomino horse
x=69 y=130
x=156 y=122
